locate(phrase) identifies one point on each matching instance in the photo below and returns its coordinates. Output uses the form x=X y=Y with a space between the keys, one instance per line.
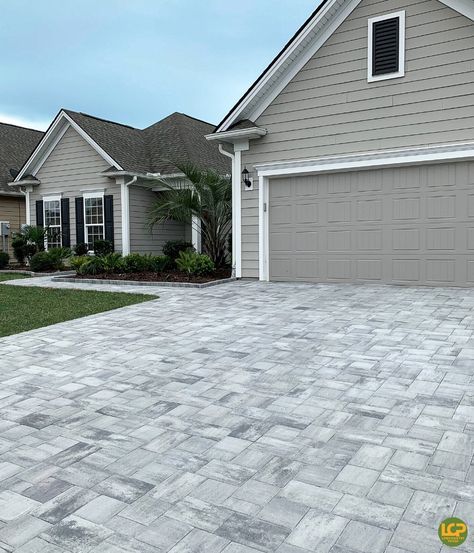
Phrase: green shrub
x=19 y=245
x=4 y=260
x=41 y=262
x=113 y=263
x=103 y=247
x=161 y=263
x=58 y=256
x=93 y=266
x=136 y=263
x=81 y=249
x=78 y=261
x=194 y=263
x=172 y=248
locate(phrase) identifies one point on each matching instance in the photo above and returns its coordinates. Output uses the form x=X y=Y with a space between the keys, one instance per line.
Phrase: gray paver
x=249 y=417
x=318 y=531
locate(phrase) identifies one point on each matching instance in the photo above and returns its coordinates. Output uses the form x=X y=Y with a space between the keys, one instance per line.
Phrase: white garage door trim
x=367 y=160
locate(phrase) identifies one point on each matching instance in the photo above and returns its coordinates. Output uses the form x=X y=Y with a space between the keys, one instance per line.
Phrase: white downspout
x=126 y=215
x=236 y=268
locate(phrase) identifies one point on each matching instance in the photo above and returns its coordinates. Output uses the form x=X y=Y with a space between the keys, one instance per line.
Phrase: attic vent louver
x=386 y=46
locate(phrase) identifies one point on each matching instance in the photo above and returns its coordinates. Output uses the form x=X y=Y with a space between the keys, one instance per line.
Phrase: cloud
x=24 y=122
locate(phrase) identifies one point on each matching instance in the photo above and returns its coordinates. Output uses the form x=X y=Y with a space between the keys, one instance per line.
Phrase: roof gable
x=176 y=139
x=53 y=135
x=313 y=34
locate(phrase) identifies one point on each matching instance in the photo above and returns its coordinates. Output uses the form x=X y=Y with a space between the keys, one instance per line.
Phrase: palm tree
x=202 y=197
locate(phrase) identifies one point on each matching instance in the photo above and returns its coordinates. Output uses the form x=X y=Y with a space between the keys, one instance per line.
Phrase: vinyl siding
x=72 y=168
x=329 y=108
x=142 y=240
x=12 y=210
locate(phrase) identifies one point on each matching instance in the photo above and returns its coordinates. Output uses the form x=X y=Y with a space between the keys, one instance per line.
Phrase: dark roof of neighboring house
x=177 y=138
x=16 y=146
x=242 y=124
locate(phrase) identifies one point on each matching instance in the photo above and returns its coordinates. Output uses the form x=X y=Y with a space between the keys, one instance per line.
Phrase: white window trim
x=88 y=195
x=56 y=198
x=401 y=72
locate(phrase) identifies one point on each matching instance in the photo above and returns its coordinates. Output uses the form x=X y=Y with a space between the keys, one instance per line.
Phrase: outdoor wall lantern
x=246 y=179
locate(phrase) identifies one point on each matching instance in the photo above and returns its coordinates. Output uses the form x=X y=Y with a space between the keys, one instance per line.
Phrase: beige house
x=358 y=140
x=16 y=144
x=90 y=179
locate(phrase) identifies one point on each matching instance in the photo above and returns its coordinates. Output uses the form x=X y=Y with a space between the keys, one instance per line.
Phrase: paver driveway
x=248 y=417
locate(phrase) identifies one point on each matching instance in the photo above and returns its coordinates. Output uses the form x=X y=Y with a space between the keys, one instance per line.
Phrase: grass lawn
x=11 y=276
x=25 y=308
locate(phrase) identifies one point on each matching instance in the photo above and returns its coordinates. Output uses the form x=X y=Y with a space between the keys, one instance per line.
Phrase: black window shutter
x=39 y=213
x=109 y=218
x=386 y=47
x=65 y=223
x=80 y=221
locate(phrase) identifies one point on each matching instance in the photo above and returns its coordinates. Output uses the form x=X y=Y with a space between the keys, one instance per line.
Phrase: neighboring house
x=91 y=179
x=16 y=144
x=359 y=142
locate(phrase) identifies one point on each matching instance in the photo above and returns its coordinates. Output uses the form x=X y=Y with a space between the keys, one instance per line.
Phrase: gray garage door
x=411 y=225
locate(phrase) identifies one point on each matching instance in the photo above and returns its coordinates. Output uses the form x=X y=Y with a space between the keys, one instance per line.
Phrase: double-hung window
x=52 y=221
x=386 y=47
x=93 y=218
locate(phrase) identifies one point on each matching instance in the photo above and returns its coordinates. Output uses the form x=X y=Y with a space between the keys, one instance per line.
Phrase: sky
x=137 y=61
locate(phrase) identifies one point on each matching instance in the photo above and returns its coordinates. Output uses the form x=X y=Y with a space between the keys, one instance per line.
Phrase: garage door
x=411 y=225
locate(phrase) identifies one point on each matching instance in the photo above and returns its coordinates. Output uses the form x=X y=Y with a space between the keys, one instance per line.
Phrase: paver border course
x=141 y=283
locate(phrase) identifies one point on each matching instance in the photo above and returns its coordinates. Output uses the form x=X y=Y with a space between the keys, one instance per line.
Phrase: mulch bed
x=174 y=276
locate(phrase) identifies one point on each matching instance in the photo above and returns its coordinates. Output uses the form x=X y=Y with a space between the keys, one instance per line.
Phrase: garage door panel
x=406 y=270
x=441 y=239
x=406 y=239
x=282 y=214
x=470 y=205
x=369 y=210
x=412 y=225
x=470 y=271
x=306 y=213
x=406 y=208
x=283 y=241
x=339 y=240
x=369 y=181
x=470 y=238
x=369 y=269
x=370 y=240
x=307 y=241
x=339 y=212
x=307 y=269
x=441 y=271
x=339 y=269
x=441 y=207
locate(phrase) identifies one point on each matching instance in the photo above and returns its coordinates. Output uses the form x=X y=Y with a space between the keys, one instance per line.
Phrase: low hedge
x=115 y=263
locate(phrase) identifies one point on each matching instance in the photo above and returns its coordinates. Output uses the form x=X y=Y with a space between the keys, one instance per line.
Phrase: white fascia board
x=50 y=141
x=370 y=160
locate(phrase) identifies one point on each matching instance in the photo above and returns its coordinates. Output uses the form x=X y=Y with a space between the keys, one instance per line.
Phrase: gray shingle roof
x=16 y=146
x=178 y=138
